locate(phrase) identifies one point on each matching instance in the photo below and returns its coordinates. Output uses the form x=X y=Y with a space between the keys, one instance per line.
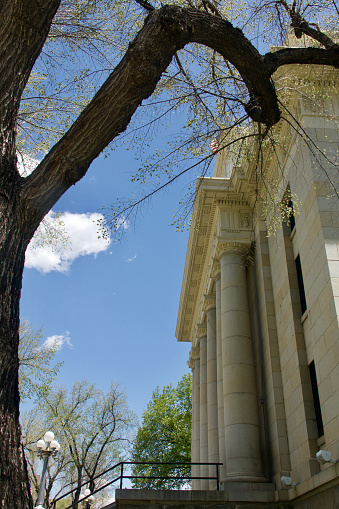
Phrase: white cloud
x=129 y=260
x=56 y=342
x=60 y=240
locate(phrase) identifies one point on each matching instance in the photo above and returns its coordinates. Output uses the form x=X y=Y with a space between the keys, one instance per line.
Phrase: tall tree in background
x=165 y=436
x=36 y=369
x=94 y=429
x=24 y=201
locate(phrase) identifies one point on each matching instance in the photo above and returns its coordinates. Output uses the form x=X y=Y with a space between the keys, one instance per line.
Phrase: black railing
x=122 y=476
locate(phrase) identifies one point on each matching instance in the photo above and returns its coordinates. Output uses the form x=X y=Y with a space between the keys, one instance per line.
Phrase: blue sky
x=114 y=312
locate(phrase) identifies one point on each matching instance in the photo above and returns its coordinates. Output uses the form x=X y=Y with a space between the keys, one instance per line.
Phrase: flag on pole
x=214 y=145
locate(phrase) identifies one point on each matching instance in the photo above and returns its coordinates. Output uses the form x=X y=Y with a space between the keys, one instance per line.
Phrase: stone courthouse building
x=260 y=302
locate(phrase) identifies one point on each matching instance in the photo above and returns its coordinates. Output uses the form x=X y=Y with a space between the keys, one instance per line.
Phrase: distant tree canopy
x=94 y=429
x=37 y=370
x=165 y=436
x=213 y=57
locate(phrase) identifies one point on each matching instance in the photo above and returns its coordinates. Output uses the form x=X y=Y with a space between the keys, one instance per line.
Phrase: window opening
x=301 y=285
x=316 y=400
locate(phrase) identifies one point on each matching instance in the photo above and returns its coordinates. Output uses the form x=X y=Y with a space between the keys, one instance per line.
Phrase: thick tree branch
x=23 y=30
x=134 y=79
x=165 y=31
x=287 y=56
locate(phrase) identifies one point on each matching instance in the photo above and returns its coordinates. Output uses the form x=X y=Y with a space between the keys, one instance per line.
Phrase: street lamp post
x=47 y=447
x=89 y=499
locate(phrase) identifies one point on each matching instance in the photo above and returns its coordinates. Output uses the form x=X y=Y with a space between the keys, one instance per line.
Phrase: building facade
x=259 y=303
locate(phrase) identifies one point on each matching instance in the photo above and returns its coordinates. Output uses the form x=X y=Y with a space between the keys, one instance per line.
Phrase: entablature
x=219 y=213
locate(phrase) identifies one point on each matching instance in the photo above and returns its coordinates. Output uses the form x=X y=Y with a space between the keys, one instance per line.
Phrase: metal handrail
x=121 y=477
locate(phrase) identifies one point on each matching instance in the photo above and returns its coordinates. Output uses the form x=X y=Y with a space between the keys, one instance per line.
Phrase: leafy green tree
x=165 y=436
x=94 y=430
x=37 y=39
x=36 y=369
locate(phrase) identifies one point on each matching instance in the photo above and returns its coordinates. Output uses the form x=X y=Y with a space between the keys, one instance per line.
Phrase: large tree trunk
x=23 y=31
x=14 y=492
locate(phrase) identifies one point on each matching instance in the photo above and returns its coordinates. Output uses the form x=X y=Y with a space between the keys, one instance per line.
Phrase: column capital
x=210 y=302
x=215 y=272
x=241 y=248
x=201 y=331
x=194 y=356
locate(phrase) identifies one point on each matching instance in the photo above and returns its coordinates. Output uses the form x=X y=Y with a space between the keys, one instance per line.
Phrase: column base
x=239 y=477
x=246 y=491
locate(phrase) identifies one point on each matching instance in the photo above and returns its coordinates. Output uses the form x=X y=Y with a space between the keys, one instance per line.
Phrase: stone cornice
x=199 y=247
x=308 y=75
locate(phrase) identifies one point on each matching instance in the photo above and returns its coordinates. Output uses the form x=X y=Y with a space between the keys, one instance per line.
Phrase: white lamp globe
x=87 y=492
x=55 y=445
x=41 y=445
x=49 y=436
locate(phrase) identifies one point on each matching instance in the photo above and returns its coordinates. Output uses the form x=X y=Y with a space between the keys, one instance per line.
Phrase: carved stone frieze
x=245 y=219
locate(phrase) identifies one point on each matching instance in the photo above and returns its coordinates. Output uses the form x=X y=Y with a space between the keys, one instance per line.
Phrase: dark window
x=316 y=400
x=301 y=285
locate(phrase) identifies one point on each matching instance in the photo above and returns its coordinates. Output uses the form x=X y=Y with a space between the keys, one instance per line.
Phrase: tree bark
x=14 y=488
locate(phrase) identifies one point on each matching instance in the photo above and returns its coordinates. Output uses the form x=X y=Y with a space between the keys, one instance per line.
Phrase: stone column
x=212 y=402
x=194 y=363
x=220 y=389
x=241 y=421
x=202 y=332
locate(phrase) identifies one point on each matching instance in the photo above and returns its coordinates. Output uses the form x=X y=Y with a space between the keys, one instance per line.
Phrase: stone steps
x=261 y=496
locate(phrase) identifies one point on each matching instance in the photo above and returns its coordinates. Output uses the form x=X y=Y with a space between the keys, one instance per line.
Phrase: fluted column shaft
x=203 y=411
x=212 y=401
x=196 y=422
x=220 y=389
x=242 y=436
